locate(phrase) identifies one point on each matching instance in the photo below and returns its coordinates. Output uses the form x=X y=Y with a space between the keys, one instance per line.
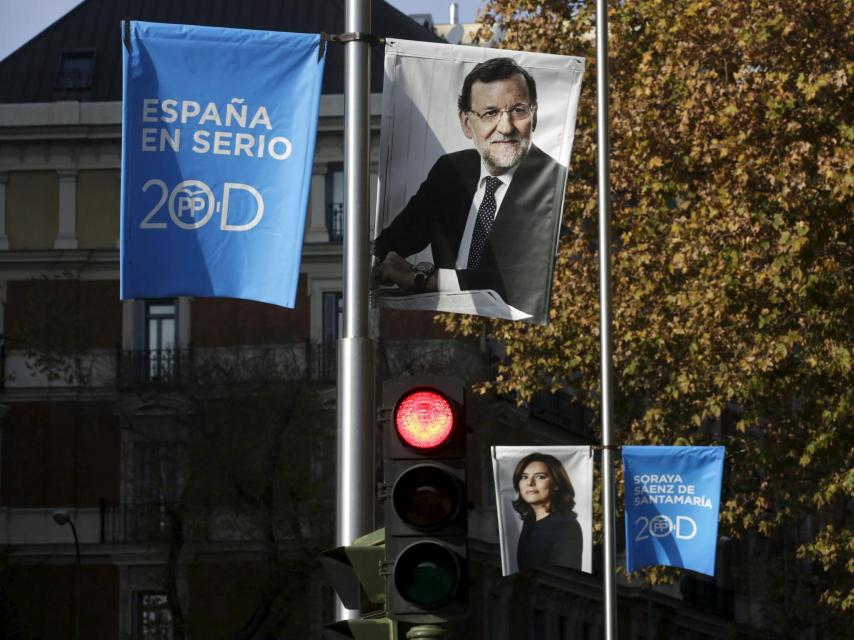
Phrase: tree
x=733 y=316
x=235 y=466
x=251 y=473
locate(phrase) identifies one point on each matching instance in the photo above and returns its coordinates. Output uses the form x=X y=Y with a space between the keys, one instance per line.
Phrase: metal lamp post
x=62 y=517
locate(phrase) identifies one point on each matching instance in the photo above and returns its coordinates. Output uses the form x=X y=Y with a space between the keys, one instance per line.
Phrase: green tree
x=732 y=179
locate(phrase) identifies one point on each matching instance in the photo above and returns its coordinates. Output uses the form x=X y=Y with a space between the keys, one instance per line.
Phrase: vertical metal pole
x=604 y=152
x=356 y=411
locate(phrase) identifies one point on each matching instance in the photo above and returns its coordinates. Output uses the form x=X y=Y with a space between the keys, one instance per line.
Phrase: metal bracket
x=386 y=567
x=603 y=447
x=383 y=491
x=354 y=36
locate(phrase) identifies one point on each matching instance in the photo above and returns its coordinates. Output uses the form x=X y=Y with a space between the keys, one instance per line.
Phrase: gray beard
x=498 y=163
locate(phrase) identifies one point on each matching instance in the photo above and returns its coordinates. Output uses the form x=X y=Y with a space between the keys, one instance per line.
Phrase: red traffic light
x=424 y=419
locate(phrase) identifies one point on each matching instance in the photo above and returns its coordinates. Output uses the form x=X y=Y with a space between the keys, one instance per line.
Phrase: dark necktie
x=483 y=223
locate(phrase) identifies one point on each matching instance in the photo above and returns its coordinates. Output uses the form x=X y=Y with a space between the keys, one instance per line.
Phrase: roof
x=93 y=27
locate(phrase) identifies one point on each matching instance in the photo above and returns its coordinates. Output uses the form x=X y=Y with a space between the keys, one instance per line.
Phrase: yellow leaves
x=813 y=84
x=732 y=263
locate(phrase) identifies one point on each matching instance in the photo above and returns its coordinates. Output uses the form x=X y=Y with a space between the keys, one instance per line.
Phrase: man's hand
x=393 y=270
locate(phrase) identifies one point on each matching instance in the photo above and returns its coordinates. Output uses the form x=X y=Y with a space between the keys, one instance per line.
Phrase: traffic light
x=426 y=510
x=356 y=575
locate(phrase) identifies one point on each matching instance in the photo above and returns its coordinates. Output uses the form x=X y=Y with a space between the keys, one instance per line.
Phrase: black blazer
x=554 y=541
x=518 y=257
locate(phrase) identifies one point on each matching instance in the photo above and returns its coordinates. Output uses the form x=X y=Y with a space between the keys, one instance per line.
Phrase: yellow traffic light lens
x=424 y=419
x=427 y=497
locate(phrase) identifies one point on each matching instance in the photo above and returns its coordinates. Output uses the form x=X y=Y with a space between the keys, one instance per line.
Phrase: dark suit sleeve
x=410 y=231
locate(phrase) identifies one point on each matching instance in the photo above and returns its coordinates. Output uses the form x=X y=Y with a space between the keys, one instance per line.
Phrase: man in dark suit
x=490 y=215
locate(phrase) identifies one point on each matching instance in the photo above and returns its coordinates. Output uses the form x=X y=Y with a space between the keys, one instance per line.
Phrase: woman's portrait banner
x=474 y=150
x=545 y=507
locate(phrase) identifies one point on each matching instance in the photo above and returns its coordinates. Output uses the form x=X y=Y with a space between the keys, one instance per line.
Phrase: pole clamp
x=603 y=447
x=354 y=36
x=383 y=491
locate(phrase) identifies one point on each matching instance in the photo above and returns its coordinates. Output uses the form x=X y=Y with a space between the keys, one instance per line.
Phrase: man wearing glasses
x=489 y=214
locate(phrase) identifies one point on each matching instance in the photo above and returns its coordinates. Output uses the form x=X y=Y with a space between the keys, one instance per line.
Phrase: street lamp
x=62 y=517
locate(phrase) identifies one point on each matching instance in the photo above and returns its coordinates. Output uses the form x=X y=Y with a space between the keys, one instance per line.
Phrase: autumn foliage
x=733 y=260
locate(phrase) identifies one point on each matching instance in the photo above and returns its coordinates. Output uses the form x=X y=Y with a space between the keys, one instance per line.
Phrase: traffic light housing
x=356 y=575
x=426 y=508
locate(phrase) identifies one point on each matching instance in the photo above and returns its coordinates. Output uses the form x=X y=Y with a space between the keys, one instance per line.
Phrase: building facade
x=191 y=441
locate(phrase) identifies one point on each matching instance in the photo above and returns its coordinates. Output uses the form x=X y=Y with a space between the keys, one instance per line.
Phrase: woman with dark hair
x=550 y=534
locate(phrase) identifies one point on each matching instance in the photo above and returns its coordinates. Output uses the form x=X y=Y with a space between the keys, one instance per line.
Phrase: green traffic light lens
x=427 y=497
x=427 y=574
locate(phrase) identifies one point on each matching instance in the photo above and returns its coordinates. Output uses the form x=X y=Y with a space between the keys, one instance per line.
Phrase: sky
x=21 y=20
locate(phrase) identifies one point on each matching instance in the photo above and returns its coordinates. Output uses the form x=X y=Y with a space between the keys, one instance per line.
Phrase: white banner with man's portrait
x=544 y=497
x=474 y=151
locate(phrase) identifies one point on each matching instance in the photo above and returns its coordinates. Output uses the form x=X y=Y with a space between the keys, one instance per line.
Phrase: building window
x=586 y=631
x=539 y=624
x=153 y=334
x=333 y=317
x=155 y=487
x=75 y=70
x=564 y=632
x=335 y=201
x=154 y=471
x=160 y=338
x=151 y=617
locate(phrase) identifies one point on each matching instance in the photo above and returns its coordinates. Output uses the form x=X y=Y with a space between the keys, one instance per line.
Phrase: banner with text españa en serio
x=672 y=497
x=218 y=134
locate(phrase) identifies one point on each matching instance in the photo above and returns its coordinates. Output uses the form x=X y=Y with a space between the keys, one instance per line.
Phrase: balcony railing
x=169 y=368
x=151 y=523
x=178 y=368
x=335 y=221
x=134 y=523
x=321 y=361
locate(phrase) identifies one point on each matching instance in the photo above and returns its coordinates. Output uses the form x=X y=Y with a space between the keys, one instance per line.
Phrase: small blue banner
x=672 y=503
x=218 y=134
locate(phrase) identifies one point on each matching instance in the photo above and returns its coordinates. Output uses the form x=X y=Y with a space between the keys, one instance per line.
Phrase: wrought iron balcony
x=169 y=368
x=134 y=523
x=321 y=361
x=151 y=523
x=179 y=368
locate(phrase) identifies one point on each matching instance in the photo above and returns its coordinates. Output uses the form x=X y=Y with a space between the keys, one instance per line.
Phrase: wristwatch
x=423 y=271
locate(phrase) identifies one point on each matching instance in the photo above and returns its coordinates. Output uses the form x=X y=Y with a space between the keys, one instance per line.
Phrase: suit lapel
x=518 y=209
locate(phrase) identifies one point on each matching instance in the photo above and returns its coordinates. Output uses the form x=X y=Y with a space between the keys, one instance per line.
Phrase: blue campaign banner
x=218 y=134
x=672 y=497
